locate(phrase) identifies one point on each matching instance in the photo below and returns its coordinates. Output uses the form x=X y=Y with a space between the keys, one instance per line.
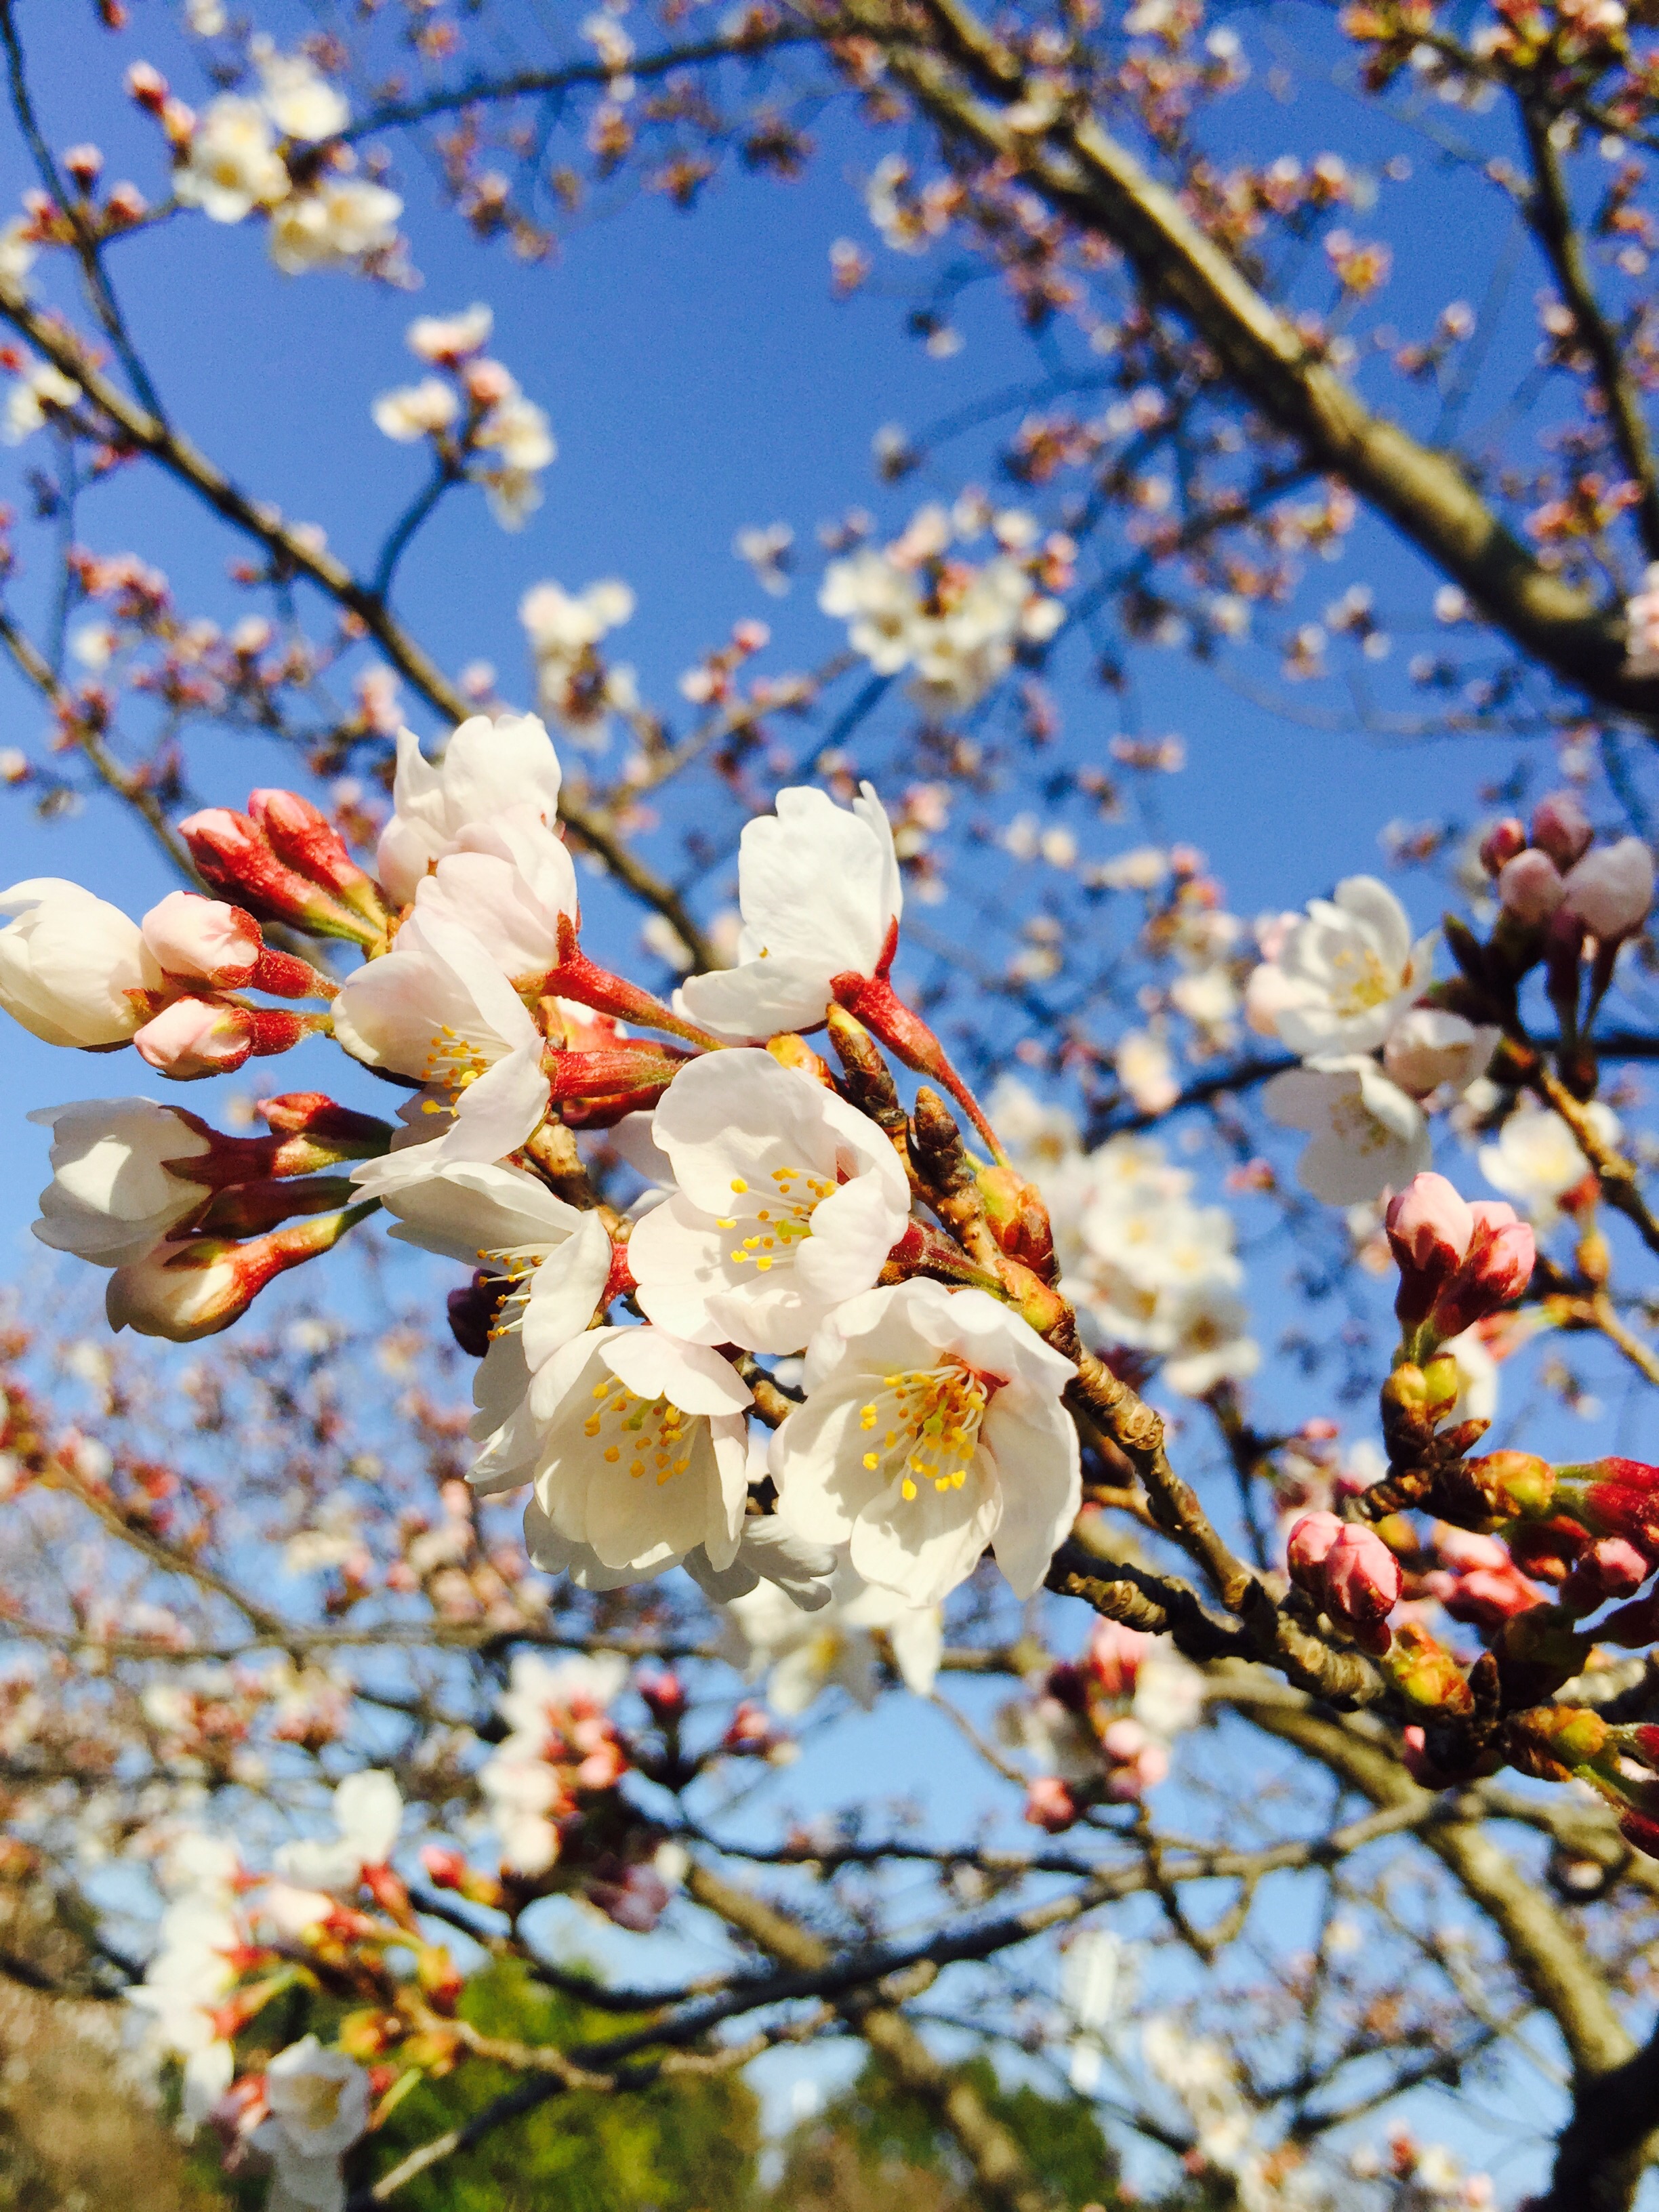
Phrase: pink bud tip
x=196 y=1037
x=1311 y=1540
x=1530 y=886
x=1561 y=828
x=1611 y=890
x=1049 y=1804
x=1501 y=843
x=1361 y=1578
x=204 y=939
x=1428 y=1226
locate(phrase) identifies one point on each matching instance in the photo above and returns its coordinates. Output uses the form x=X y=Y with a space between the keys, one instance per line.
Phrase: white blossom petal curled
x=820 y=893
x=1343 y=973
x=788 y=1201
x=488 y=766
x=1428 y=1047
x=74 y=970
x=1366 y=1135
x=642 y=1454
x=802 y=1654
x=111 y=1199
x=512 y=884
x=932 y=1427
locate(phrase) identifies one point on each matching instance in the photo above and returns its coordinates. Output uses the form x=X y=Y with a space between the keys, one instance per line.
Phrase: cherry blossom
x=232 y=165
x=369 y=1812
x=488 y=767
x=1534 y=1159
x=296 y=96
x=1365 y=1134
x=821 y=897
x=800 y=1655
x=74 y=970
x=318 y=2104
x=511 y=884
x=1344 y=972
x=1428 y=1047
x=438 y=1008
x=112 y=1199
x=932 y=1427
x=786 y=1201
x=640 y=1450
x=334 y=224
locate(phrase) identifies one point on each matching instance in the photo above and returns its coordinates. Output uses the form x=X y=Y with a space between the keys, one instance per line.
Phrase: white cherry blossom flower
x=333 y=225
x=512 y=885
x=74 y=970
x=369 y=1812
x=488 y=765
x=787 y=1201
x=1145 y=1068
x=40 y=385
x=112 y=1199
x=643 y=1454
x=412 y=411
x=438 y=1007
x=801 y=1654
x=821 y=897
x=232 y=164
x=1428 y=1047
x=1366 y=1135
x=1208 y=1341
x=319 y=2107
x=932 y=1426
x=1344 y=971
x=767 y=1553
x=1535 y=1159
x=564 y=629
x=451 y=338
x=296 y=96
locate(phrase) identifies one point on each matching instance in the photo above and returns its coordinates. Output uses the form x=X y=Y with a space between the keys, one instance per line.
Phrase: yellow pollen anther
x=613 y=1453
x=872 y=1460
x=739 y=1184
x=908 y=1489
x=761 y=1266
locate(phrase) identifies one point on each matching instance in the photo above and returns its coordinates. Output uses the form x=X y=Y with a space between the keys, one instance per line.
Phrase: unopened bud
x=1610 y=1569
x=1049 y=1804
x=1429 y=1225
x=1361 y=1578
x=304 y=839
x=1561 y=828
x=1552 y=1742
x=1424 y=1673
x=1496 y=1269
x=1529 y=888
x=146 y=86
x=665 y=1696
x=204 y=939
x=235 y=855
x=1617 y=1498
x=194 y=1288
x=792 y=1051
x=1503 y=1485
x=1501 y=842
x=197 y=1037
x=1611 y=890
x=1537 y=1650
x=1310 y=1540
x=439 y=1977
x=1019 y=1218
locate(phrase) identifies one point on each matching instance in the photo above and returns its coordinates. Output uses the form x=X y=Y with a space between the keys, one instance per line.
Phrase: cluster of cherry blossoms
x=915 y=603
x=277 y=153
x=622 y=1356
x=1149 y=1271
x=480 y=426
x=1382 y=1046
x=1099 y=1729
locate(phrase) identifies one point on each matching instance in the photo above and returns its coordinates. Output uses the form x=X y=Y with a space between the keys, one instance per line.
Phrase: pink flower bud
x=1530 y=886
x=1311 y=1540
x=1611 y=890
x=1561 y=828
x=1497 y=1267
x=1049 y=1804
x=194 y=1037
x=1501 y=842
x=203 y=938
x=1428 y=1226
x=304 y=839
x=1115 y=1655
x=1361 y=1578
x=1611 y=1569
x=445 y=1868
x=235 y=855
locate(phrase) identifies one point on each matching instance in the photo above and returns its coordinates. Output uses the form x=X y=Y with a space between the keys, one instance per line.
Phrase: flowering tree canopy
x=834 y=1231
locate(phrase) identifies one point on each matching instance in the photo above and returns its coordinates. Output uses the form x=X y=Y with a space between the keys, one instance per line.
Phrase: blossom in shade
x=1428 y=1048
x=786 y=1201
x=74 y=970
x=1530 y=886
x=768 y=1552
x=488 y=767
x=369 y=1812
x=801 y=1654
x=932 y=1426
x=111 y=1198
x=819 y=888
x=1611 y=888
x=1364 y=1132
x=232 y=165
x=643 y=1454
x=1344 y=971
x=438 y=1008
x=317 y=2101
x=1535 y=1159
